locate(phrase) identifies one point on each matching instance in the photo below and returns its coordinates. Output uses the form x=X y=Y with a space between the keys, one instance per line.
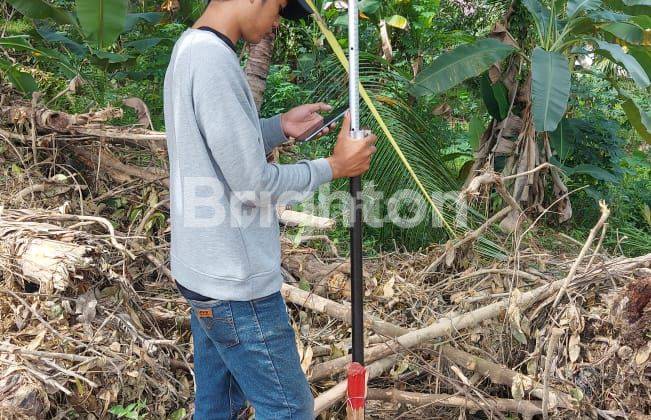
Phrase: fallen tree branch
x=468 y=238
x=503 y=376
x=549 y=362
x=496 y=373
x=61 y=122
x=448 y=326
x=337 y=392
x=605 y=212
x=118 y=170
x=337 y=310
x=528 y=409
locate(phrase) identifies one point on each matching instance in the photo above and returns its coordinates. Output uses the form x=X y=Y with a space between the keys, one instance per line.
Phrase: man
x=225 y=247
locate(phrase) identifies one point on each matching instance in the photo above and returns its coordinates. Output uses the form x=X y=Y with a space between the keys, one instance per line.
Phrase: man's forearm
x=272 y=132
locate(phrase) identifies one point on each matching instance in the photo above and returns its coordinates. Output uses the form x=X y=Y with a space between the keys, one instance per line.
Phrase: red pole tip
x=356 y=385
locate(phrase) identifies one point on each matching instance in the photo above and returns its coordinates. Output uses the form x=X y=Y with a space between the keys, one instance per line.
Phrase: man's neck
x=220 y=16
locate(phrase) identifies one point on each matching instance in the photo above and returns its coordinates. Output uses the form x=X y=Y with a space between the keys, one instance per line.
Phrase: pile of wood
x=89 y=317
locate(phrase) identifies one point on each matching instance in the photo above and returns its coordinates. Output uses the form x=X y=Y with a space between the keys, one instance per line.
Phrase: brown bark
x=257 y=66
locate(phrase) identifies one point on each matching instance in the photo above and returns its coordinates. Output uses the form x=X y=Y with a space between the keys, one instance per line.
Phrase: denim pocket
x=216 y=318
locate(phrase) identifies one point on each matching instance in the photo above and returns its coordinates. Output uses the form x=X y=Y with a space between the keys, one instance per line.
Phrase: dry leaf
x=643 y=354
x=75 y=83
x=515 y=317
x=171 y=6
x=443 y=109
x=494 y=73
x=141 y=109
x=517 y=387
x=387 y=50
x=450 y=253
x=387 y=289
x=574 y=347
x=36 y=341
x=306 y=358
x=399 y=369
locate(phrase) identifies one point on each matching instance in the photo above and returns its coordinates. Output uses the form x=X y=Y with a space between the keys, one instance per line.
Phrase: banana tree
x=526 y=89
x=97 y=24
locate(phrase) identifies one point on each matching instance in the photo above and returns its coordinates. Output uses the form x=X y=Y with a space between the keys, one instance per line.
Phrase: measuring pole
x=356 y=372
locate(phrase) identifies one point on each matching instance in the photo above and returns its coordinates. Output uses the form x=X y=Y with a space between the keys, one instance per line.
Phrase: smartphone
x=328 y=120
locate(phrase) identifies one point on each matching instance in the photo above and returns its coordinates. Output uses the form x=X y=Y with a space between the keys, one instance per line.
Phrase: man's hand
x=298 y=120
x=351 y=157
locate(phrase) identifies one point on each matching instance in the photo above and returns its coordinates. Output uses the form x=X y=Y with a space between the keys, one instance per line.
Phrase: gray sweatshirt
x=225 y=240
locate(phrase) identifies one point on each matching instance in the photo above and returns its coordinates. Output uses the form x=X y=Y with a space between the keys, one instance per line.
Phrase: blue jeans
x=246 y=351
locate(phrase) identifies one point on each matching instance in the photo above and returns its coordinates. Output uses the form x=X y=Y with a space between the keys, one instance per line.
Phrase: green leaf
x=550 y=88
x=615 y=53
x=306 y=62
x=502 y=97
x=178 y=414
x=643 y=56
x=595 y=172
x=637 y=2
x=341 y=20
x=639 y=119
x=643 y=21
x=576 y=6
x=625 y=31
x=450 y=69
x=17 y=42
x=21 y=43
x=398 y=21
x=132 y=19
x=142 y=45
x=22 y=81
x=40 y=9
x=369 y=7
x=475 y=131
x=118 y=410
x=607 y=16
x=488 y=95
x=110 y=57
x=563 y=139
x=541 y=16
x=51 y=35
x=102 y=20
x=583 y=25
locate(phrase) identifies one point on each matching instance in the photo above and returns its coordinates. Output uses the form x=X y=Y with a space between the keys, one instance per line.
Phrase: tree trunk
x=515 y=140
x=257 y=66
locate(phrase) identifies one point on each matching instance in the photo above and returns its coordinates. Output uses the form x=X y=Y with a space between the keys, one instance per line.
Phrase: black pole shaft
x=357 y=279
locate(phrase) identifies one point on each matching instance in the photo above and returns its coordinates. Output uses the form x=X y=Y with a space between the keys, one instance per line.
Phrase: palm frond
x=409 y=151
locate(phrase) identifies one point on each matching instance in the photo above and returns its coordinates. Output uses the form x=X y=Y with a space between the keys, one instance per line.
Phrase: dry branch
x=446 y=327
x=496 y=373
x=528 y=409
x=503 y=376
x=605 y=212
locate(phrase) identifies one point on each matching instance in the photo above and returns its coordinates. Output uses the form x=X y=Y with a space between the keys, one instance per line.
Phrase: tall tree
x=257 y=66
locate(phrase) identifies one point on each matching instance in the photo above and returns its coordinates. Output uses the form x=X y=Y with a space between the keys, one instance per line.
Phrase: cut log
x=295 y=218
